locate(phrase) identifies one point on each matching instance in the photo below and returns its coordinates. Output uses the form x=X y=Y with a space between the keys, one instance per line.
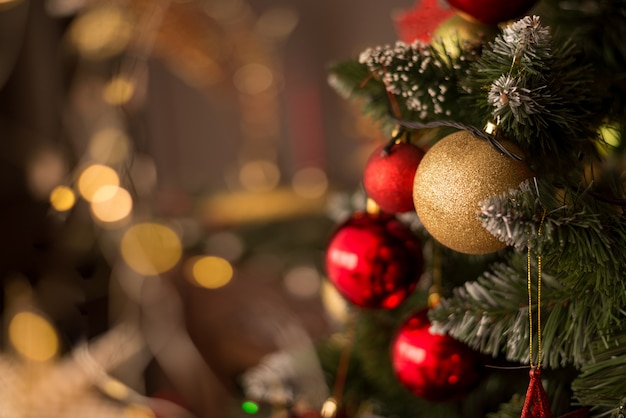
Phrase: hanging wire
x=477 y=132
x=530 y=301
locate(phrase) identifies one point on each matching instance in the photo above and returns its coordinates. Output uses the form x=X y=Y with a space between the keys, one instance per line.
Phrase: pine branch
x=580 y=234
x=509 y=409
x=416 y=82
x=602 y=382
x=491 y=315
x=598 y=29
x=540 y=92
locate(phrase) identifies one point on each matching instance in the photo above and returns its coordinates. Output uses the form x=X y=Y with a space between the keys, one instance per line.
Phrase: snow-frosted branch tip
x=527 y=30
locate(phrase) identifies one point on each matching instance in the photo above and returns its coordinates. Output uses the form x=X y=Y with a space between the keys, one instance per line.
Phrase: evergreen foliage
x=551 y=83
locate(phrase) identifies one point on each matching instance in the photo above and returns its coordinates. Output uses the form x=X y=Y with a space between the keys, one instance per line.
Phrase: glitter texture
x=453 y=177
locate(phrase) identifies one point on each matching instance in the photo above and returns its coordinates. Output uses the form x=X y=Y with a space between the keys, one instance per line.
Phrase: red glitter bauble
x=492 y=12
x=388 y=176
x=434 y=367
x=374 y=261
x=419 y=22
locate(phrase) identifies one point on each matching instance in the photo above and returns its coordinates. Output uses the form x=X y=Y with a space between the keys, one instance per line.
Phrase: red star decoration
x=420 y=22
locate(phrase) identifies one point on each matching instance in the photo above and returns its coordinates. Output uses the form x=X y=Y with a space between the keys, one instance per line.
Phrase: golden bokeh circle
x=150 y=248
x=62 y=198
x=33 y=337
x=95 y=176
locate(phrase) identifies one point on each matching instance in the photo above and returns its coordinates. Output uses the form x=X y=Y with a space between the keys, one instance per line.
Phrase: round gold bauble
x=454 y=176
x=454 y=32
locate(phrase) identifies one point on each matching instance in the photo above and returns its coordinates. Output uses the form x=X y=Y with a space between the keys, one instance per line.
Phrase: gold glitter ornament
x=455 y=175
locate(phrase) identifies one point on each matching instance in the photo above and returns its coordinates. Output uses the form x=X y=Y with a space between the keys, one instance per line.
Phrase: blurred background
x=170 y=171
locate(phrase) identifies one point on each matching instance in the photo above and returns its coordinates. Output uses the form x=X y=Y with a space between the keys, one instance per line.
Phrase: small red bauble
x=434 y=367
x=388 y=177
x=374 y=261
x=493 y=11
x=421 y=20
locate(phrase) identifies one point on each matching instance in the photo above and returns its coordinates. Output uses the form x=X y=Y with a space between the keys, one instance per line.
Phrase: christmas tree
x=505 y=132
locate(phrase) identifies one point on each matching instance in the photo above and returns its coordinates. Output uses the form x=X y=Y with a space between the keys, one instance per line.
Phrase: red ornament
x=420 y=22
x=492 y=12
x=388 y=177
x=374 y=261
x=536 y=403
x=434 y=367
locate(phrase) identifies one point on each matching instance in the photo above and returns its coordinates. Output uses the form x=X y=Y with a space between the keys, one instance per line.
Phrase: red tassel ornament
x=536 y=404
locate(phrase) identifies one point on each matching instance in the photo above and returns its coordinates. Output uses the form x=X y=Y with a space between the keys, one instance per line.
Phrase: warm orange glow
x=33 y=337
x=138 y=411
x=111 y=204
x=94 y=177
x=253 y=78
x=150 y=248
x=118 y=91
x=101 y=32
x=210 y=271
x=115 y=389
x=62 y=198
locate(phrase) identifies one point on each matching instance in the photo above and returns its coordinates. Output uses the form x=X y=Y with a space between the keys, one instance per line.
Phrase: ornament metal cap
x=491 y=128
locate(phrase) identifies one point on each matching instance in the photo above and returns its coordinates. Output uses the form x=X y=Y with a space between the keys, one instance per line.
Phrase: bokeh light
x=335 y=305
x=259 y=176
x=310 y=182
x=109 y=146
x=611 y=135
x=210 y=272
x=101 y=32
x=329 y=409
x=250 y=407
x=115 y=389
x=118 y=91
x=253 y=78
x=150 y=248
x=62 y=198
x=302 y=282
x=46 y=170
x=94 y=177
x=111 y=204
x=278 y=22
x=225 y=244
x=33 y=337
